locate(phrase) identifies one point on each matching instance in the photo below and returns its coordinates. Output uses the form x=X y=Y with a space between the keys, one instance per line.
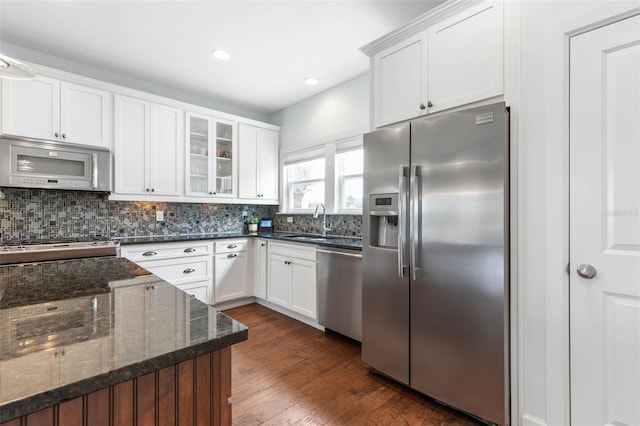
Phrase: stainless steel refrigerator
x=435 y=258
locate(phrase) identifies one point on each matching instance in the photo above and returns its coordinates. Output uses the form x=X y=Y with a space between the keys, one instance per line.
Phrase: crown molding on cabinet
x=417 y=25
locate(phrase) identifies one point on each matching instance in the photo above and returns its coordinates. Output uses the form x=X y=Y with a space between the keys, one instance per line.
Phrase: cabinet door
x=131 y=145
x=230 y=276
x=83 y=360
x=247 y=151
x=84 y=115
x=18 y=378
x=466 y=57
x=279 y=280
x=225 y=159
x=129 y=304
x=260 y=269
x=400 y=81
x=303 y=288
x=165 y=155
x=162 y=332
x=199 y=151
x=267 y=153
x=31 y=108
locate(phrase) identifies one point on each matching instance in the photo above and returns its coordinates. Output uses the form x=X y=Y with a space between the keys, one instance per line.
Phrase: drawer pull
x=232 y=255
x=189 y=250
x=192 y=295
x=231 y=246
x=188 y=271
x=149 y=253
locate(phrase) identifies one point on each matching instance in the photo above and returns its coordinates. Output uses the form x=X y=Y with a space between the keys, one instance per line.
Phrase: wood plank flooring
x=290 y=373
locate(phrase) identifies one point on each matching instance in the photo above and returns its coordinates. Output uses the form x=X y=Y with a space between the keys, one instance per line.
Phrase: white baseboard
x=529 y=420
x=289 y=313
x=234 y=303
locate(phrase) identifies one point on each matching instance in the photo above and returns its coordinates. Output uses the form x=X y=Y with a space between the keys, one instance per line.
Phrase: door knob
x=587 y=271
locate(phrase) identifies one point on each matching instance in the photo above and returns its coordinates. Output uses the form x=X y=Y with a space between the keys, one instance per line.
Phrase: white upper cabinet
x=440 y=64
x=46 y=108
x=258 y=170
x=148 y=148
x=400 y=85
x=465 y=57
x=211 y=157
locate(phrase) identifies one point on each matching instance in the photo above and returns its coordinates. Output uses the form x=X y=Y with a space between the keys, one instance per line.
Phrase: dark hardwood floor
x=290 y=373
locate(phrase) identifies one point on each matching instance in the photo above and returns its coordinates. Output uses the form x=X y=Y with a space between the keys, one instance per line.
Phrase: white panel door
x=465 y=57
x=247 y=153
x=165 y=150
x=303 y=287
x=400 y=81
x=31 y=108
x=131 y=145
x=605 y=225
x=279 y=280
x=231 y=276
x=267 y=147
x=84 y=115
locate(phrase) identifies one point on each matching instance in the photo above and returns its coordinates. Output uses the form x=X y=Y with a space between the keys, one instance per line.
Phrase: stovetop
x=51 y=249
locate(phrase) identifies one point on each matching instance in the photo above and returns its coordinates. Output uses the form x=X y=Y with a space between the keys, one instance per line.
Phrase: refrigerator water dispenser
x=383 y=212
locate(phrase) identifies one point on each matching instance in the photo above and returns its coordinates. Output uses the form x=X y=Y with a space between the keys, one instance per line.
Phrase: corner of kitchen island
x=149 y=354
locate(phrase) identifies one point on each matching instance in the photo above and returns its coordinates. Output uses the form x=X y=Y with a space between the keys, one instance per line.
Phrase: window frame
x=340 y=178
x=301 y=157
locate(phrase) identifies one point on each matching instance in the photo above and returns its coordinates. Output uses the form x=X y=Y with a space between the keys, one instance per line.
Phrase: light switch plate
x=289 y=219
x=159 y=215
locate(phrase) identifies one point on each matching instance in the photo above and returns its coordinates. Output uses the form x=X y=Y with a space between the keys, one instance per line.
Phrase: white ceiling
x=274 y=45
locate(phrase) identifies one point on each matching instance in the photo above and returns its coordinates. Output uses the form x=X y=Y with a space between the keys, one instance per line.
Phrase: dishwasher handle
x=340 y=253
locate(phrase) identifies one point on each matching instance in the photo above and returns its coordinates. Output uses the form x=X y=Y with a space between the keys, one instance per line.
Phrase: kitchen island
x=103 y=341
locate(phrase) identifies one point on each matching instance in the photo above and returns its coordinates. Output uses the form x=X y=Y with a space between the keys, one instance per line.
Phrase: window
x=349 y=176
x=305 y=184
x=330 y=174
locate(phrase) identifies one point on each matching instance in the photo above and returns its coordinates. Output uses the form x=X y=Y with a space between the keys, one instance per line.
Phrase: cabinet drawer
x=230 y=246
x=299 y=251
x=165 y=250
x=183 y=271
x=200 y=290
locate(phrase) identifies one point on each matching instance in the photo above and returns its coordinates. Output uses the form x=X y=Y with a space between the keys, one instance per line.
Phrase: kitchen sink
x=308 y=237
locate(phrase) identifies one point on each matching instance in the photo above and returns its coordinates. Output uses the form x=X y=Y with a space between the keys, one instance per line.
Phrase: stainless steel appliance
x=340 y=291
x=28 y=163
x=435 y=300
x=29 y=251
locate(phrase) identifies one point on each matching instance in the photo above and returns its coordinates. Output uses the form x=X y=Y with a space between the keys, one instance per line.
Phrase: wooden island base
x=195 y=391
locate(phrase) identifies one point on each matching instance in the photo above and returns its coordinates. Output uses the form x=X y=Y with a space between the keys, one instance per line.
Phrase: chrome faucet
x=325 y=227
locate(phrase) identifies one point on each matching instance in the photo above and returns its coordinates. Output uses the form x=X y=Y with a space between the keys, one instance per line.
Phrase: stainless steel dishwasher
x=340 y=291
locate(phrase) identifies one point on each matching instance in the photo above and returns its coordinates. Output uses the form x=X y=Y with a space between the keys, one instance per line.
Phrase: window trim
x=297 y=157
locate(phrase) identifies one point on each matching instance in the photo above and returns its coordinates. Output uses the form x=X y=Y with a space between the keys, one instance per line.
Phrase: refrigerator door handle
x=414 y=220
x=402 y=224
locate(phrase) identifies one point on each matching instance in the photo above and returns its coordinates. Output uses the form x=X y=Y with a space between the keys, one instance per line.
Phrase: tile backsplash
x=42 y=213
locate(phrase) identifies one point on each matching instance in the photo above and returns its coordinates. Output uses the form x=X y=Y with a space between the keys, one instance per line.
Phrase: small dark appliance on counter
x=265 y=225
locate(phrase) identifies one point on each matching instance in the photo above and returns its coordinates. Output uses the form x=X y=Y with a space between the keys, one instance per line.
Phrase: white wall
x=540 y=108
x=339 y=112
x=40 y=58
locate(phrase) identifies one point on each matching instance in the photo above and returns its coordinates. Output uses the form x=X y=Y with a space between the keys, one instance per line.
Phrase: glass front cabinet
x=211 y=157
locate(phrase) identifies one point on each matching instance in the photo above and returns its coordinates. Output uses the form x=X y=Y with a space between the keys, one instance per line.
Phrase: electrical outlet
x=2 y=196
x=289 y=219
x=245 y=214
x=159 y=215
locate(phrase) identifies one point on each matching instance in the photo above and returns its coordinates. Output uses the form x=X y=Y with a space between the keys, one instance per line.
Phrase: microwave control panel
x=48 y=183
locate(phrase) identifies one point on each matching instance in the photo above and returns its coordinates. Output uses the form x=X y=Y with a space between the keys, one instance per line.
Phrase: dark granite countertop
x=331 y=241
x=72 y=327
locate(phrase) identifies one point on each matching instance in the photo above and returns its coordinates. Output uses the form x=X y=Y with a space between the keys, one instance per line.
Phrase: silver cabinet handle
x=188 y=271
x=340 y=253
x=232 y=255
x=402 y=224
x=429 y=104
x=57 y=134
x=414 y=220
x=149 y=253
x=422 y=106
x=64 y=136
x=231 y=246
x=189 y=250
x=587 y=271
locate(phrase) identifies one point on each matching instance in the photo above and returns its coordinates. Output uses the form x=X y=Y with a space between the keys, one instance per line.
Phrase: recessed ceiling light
x=310 y=81
x=223 y=55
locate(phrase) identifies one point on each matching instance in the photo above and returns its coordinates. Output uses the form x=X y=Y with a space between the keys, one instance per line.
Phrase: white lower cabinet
x=140 y=312
x=187 y=265
x=231 y=270
x=260 y=262
x=292 y=277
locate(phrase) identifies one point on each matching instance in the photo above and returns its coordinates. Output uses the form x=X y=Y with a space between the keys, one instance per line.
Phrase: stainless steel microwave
x=27 y=163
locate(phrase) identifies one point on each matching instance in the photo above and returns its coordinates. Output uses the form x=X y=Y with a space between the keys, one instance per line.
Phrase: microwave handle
x=94 y=171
